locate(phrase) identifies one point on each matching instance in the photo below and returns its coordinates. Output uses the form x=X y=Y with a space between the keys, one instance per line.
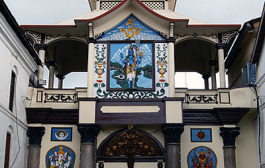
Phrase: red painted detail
x=161 y=16
x=104 y=14
x=143 y=5
x=47 y=26
x=162 y=80
x=216 y=25
x=99 y=81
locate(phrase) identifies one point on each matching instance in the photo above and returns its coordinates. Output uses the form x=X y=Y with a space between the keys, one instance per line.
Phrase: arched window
x=7 y=150
x=12 y=90
x=130 y=145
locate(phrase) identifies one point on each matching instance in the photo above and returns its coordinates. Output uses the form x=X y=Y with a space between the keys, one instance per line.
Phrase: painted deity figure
x=131 y=63
x=60 y=159
x=61 y=135
x=202 y=161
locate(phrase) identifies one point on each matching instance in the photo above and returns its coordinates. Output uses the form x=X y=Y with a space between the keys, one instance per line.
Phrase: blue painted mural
x=131 y=29
x=61 y=134
x=202 y=157
x=131 y=66
x=201 y=135
x=60 y=157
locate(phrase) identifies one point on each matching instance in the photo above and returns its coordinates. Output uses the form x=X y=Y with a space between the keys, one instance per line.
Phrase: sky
x=211 y=11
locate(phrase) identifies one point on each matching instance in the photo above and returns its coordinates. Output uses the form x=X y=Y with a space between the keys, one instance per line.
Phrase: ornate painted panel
x=133 y=70
x=61 y=134
x=131 y=29
x=131 y=66
x=60 y=157
x=202 y=157
x=201 y=135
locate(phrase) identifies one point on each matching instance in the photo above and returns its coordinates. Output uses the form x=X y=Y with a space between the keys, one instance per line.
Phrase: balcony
x=193 y=98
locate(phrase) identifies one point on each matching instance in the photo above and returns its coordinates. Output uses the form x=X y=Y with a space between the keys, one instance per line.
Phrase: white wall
x=13 y=56
x=261 y=90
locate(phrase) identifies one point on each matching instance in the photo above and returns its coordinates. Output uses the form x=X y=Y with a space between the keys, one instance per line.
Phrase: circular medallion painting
x=202 y=157
x=60 y=157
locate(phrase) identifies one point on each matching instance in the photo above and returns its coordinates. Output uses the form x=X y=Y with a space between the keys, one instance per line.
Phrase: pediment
x=131 y=28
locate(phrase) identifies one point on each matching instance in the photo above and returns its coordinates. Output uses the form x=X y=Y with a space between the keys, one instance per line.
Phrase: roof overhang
x=107 y=20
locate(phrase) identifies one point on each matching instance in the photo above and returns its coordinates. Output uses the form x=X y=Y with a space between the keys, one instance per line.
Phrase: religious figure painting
x=131 y=66
x=61 y=134
x=60 y=157
x=201 y=135
x=202 y=157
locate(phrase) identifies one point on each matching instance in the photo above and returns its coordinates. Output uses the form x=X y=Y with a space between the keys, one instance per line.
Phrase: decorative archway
x=130 y=145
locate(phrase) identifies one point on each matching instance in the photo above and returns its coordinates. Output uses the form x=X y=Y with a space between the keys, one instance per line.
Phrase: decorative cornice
x=227 y=36
x=49 y=38
x=211 y=37
x=35 y=135
x=34 y=36
x=172 y=132
x=229 y=135
x=88 y=132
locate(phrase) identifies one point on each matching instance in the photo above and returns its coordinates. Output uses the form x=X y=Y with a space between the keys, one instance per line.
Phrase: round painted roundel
x=202 y=157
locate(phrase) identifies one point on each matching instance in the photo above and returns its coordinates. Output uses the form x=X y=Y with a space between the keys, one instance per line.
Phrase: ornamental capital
x=35 y=135
x=88 y=132
x=172 y=132
x=229 y=135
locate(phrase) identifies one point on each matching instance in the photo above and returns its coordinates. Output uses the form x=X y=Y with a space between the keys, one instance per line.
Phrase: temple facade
x=130 y=114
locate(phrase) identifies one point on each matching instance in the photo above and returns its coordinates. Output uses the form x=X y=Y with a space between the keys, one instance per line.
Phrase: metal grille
x=108 y=5
x=154 y=5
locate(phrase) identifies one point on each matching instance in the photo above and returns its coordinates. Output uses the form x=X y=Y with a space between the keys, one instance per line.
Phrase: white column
x=171 y=69
x=42 y=58
x=90 y=59
x=171 y=60
x=60 y=81
x=213 y=77
x=90 y=69
x=221 y=64
x=51 y=74
x=206 y=81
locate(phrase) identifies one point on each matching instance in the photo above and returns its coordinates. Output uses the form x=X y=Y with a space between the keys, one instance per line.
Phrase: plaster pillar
x=60 y=81
x=88 y=133
x=90 y=63
x=206 y=81
x=221 y=64
x=171 y=60
x=212 y=64
x=172 y=133
x=35 y=136
x=229 y=136
x=51 y=74
x=42 y=49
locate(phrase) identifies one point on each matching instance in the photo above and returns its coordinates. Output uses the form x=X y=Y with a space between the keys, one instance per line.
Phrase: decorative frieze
x=108 y=5
x=60 y=98
x=201 y=99
x=211 y=37
x=227 y=36
x=154 y=5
